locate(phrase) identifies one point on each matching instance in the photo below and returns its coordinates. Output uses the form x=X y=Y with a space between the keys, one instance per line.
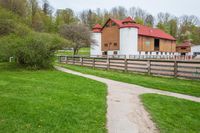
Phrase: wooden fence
x=175 y=68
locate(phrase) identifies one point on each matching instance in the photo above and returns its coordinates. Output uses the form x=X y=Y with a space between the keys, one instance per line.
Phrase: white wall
x=128 y=41
x=110 y=52
x=95 y=49
x=194 y=49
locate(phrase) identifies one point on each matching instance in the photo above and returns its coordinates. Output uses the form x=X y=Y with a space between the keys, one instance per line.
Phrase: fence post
x=66 y=59
x=59 y=59
x=126 y=64
x=175 y=68
x=81 y=61
x=93 y=63
x=73 y=60
x=149 y=67
x=108 y=63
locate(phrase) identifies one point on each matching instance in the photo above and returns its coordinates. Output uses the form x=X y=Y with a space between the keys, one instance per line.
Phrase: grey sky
x=176 y=7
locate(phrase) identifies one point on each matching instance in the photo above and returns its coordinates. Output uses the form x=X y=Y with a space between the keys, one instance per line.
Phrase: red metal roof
x=97 y=28
x=153 y=32
x=121 y=24
x=143 y=30
x=185 y=44
x=129 y=19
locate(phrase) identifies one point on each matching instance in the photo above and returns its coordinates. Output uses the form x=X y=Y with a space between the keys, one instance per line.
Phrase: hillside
x=28 y=47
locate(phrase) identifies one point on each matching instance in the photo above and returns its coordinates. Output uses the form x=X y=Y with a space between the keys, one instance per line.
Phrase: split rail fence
x=173 y=68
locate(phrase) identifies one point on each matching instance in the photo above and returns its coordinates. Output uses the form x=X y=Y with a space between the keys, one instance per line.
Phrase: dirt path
x=125 y=112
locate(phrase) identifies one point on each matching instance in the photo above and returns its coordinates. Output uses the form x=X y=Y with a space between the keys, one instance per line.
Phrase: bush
x=35 y=50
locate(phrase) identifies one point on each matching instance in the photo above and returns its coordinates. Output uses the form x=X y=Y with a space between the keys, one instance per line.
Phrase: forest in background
x=42 y=17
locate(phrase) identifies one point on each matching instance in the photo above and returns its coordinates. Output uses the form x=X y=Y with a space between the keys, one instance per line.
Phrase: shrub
x=35 y=50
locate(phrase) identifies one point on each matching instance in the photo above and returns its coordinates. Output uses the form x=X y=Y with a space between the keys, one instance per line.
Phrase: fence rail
x=175 y=68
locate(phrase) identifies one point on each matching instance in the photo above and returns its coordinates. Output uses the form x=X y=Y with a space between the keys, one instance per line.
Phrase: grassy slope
x=188 y=87
x=50 y=101
x=173 y=115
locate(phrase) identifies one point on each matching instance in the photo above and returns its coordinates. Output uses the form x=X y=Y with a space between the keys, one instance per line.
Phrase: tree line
x=44 y=18
x=30 y=33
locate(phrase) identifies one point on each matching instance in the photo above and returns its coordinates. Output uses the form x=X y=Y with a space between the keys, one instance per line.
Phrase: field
x=173 y=115
x=82 y=51
x=189 y=87
x=50 y=101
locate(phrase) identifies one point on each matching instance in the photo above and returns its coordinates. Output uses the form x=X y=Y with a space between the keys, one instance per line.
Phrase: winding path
x=125 y=112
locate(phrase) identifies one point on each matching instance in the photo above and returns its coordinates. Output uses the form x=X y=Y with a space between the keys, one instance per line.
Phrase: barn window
x=148 y=42
x=105 y=53
x=183 y=48
x=156 y=44
x=113 y=24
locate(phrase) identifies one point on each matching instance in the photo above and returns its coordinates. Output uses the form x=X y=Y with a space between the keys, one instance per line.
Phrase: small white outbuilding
x=195 y=50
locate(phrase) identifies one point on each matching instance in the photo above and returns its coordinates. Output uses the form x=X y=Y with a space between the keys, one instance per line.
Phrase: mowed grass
x=49 y=101
x=189 y=87
x=82 y=51
x=173 y=115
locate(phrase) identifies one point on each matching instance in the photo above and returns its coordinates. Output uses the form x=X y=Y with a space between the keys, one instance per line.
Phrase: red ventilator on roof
x=125 y=23
x=128 y=20
x=97 y=28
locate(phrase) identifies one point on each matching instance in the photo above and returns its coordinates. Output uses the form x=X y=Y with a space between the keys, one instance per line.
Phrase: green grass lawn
x=82 y=51
x=173 y=115
x=49 y=101
x=189 y=87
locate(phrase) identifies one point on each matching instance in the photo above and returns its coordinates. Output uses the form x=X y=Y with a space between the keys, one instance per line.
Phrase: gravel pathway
x=125 y=112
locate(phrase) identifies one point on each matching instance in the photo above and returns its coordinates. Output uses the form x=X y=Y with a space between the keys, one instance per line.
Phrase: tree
x=188 y=29
x=47 y=9
x=78 y=34
x=163 y=17
x=19 y=7
x=88 y=18
x=141 y=16
x=149 y=21
x=168 y=23
x=118 y=12
x=66 y=16
x=173 y=27
x=138 y=20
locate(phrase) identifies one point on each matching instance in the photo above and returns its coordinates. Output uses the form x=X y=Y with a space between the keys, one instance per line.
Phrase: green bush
x=35 y=50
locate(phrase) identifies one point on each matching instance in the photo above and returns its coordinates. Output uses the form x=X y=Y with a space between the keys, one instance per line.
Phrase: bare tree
x=189 y=20
x=149 y=20
x=78 y=34
x=118 y=12
x=163 y=17
x=138 y=13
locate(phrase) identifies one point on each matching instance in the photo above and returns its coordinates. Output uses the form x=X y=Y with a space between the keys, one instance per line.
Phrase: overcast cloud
x=176 y=7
